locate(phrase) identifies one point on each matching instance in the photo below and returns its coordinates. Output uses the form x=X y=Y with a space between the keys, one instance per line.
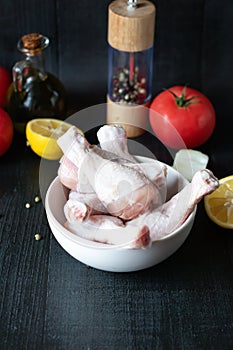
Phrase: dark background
x=48 y=299
x=193 y=45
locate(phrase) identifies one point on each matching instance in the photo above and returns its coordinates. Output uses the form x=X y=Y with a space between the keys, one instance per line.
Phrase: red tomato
x=182 y=117
x=6 y=131
x=5 y=81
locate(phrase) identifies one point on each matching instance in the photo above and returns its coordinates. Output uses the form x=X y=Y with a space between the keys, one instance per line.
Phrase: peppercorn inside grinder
x=130 y=63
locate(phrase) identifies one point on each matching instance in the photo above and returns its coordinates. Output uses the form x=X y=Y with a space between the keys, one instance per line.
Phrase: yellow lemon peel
x=219 y=204
x=42 y=135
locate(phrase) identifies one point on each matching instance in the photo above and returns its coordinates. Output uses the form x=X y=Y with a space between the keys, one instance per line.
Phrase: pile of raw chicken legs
x=117 y=200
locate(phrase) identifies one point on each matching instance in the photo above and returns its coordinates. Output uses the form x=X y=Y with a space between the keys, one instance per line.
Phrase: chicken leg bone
x=168 y=217
x=124 y=191
x=76 y=148
x=110 y=230
x=80 y=206
x=112 y=138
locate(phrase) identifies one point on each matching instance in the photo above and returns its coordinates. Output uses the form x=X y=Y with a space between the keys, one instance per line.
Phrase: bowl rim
x=97 y=245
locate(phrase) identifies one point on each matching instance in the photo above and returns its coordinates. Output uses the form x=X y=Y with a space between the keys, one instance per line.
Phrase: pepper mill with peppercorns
x=130 y=37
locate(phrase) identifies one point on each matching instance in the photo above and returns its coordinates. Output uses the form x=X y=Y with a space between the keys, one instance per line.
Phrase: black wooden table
x=49 y=300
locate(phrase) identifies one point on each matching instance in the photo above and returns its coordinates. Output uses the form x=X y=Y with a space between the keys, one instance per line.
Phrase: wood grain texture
x=24 y=261
x=131 y=30
x=217 y=65
x=178 y=44
x=83 y=51
x=51 y=301
x=19 y=18
x=48 y=299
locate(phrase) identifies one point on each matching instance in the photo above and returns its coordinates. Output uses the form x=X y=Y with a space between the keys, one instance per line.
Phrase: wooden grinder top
x=131 y=29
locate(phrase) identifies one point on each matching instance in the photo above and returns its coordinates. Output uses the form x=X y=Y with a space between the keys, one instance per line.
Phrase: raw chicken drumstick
x=157 y=224
x=71 y=160
x=120 y=187
x=110 y=230
x=124 y=191
x=69 y=163
x=112 y=138
x=173 y=213
x=68 y=173
x=80 y=206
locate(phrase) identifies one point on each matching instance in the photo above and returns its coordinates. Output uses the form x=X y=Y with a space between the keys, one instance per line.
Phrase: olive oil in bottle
x=34 y=92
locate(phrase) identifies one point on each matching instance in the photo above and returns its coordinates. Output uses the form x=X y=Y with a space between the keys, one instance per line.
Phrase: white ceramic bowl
x=107 y=257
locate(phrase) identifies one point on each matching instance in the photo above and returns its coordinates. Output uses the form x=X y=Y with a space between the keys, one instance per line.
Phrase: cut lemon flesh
x=219 y=204
x=188 y=161
x=42 y=135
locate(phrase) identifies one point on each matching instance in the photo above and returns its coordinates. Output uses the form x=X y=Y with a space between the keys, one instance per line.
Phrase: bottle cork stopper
x=131 y=29
x=32 y=41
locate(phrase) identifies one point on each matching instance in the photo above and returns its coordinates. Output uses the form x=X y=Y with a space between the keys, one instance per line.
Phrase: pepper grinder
x=130 y=62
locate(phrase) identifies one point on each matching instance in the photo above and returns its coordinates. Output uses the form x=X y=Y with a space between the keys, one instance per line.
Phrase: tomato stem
x=182 y=101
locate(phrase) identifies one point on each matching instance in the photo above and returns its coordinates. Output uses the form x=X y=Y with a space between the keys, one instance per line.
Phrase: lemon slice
x=42 y=135
x=189 y=161
x=219 y=204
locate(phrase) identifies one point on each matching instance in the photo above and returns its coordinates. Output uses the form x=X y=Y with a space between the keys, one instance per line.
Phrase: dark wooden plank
x=19 y=18
x=50 y=300
x=185 y=302
x=23 y=260
x=217 y=64
x=83 y=50
x=178 y=43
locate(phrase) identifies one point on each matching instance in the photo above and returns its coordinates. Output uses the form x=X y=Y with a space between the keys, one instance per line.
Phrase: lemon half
x=42 y=135
x=189 y=161
x=219 y=204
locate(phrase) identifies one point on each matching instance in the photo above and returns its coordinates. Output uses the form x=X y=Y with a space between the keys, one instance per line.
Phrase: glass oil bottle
x=34 y=93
